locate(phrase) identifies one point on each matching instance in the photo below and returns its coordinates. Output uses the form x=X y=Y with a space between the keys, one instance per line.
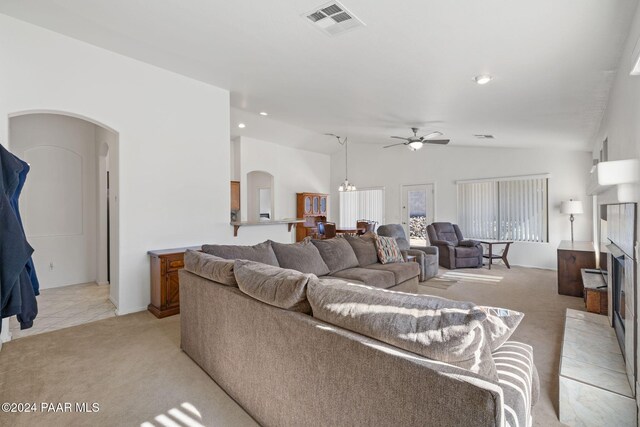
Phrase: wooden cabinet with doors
x=312 y=207
x=572 y=257
x=165 y=283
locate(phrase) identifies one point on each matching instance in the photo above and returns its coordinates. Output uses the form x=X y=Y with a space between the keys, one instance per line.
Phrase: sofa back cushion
x=302 y=256
x=443 y=231
x=337 y=253
x=396 y=231
x=275 y=286
x=437 y=328
x=262 y=252
x=210 y=267
x=365 y=248
x=388 y=250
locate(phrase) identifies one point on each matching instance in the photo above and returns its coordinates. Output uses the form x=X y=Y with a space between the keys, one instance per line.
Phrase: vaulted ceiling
x=412 y=64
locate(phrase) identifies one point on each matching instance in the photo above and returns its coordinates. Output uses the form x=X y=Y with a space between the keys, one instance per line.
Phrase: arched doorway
x=70 y=212
x=260 y=197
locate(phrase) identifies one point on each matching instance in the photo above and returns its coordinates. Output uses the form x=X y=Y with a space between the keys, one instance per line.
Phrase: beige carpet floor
x=133 y=368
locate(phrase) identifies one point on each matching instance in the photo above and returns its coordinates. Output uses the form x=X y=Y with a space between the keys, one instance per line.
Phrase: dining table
x=349 y=230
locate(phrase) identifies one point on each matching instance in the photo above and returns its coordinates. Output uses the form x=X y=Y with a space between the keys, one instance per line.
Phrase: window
x=367 y=203
x=505 y=208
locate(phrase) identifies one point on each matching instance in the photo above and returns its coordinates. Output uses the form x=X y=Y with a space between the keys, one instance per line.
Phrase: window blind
x=510 y=209
x=367 y=203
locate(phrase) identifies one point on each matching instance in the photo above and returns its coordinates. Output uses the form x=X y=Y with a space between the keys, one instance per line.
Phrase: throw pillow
x=388 y=250
x=210 y=267
x=302 y=256
x=436 y=328
x=365 y=248
x=337 y=254
x=501 y=323
x=262 y=252
x=273 y=285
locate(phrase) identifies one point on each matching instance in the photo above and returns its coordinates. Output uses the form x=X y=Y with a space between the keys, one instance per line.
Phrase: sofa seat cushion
x=303 y=257
x=275 y=286
x=365 y=248
x=337 y=253
x=467 y=252
x=402 y=271
x=518 y=378
x=210 y=267
x=371 y=277
x=262 y=252
x=436 y=328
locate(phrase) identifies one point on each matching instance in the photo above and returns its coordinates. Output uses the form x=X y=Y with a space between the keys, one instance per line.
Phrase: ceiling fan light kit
x=483 y=79
x=415 y=142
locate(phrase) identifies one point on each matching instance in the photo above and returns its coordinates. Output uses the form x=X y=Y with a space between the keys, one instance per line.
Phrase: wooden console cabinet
x=571 y=258
x=312 y=207
x=165 y=284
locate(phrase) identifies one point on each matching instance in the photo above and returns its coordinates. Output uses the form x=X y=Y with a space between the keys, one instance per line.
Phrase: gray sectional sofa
x=293 y=349
x=352 y=258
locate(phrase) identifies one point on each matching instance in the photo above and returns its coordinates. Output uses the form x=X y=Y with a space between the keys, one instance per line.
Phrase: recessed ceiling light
x=264 y=113
x=484 y=136
x=242 y=125
x=483 y=80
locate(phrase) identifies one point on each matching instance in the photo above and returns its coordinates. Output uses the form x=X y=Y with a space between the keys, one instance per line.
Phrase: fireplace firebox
x=618 y=293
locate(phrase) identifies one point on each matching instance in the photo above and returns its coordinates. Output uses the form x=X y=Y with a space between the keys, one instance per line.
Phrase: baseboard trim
x=102 y=284
x=114 y=302
x=534 y=266
x=134 y=310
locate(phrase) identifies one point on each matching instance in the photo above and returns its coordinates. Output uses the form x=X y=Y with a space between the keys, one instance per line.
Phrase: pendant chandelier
x=346 y=185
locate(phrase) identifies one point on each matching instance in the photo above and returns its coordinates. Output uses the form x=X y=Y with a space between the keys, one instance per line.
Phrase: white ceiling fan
x=416 y=142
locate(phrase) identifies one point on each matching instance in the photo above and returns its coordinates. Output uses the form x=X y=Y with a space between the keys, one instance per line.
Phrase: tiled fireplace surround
x=621 y=219
x=598 y=385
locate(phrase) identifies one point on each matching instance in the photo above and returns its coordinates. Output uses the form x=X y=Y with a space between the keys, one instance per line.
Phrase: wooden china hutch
x=312 y=207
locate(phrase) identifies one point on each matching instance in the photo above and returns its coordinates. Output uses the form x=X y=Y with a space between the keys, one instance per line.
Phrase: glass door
x=417 y=212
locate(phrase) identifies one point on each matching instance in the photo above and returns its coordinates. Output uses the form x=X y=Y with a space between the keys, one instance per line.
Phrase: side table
x=491 y=256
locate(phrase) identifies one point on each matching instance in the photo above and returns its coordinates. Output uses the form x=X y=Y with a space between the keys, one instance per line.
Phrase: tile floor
x=67 y=306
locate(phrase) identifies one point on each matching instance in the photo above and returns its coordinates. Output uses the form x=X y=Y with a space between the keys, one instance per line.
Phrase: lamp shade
x=571 y=207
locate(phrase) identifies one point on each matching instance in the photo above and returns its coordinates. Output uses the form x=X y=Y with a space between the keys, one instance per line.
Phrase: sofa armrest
x=429 y=250
x=441 y=243
x=468 y=243
x=418 y=254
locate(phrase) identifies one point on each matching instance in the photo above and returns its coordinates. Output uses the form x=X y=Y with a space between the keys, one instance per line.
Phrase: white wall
x=173 y=140
x=294 y=171
x=374 y=166
x=58 y=203
x=621 y=125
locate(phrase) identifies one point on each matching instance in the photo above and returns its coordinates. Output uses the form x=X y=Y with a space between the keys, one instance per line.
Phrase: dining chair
x=326 y=230
x=365 y=226
x=362 y=225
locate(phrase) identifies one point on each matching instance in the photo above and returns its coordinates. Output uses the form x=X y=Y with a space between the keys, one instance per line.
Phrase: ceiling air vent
x=333 y=18
x=484 y=136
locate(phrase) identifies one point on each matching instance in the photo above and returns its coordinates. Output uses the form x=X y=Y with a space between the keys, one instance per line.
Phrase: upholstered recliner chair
x=426 y=256
x=455 y=251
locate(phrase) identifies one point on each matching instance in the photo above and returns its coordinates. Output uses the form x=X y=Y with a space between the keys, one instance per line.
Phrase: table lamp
x=571 y=208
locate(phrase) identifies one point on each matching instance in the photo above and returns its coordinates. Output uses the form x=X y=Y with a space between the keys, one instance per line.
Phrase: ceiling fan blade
x=437 y=141
x=393 y=145
x=431 y=135
x=400 y=137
